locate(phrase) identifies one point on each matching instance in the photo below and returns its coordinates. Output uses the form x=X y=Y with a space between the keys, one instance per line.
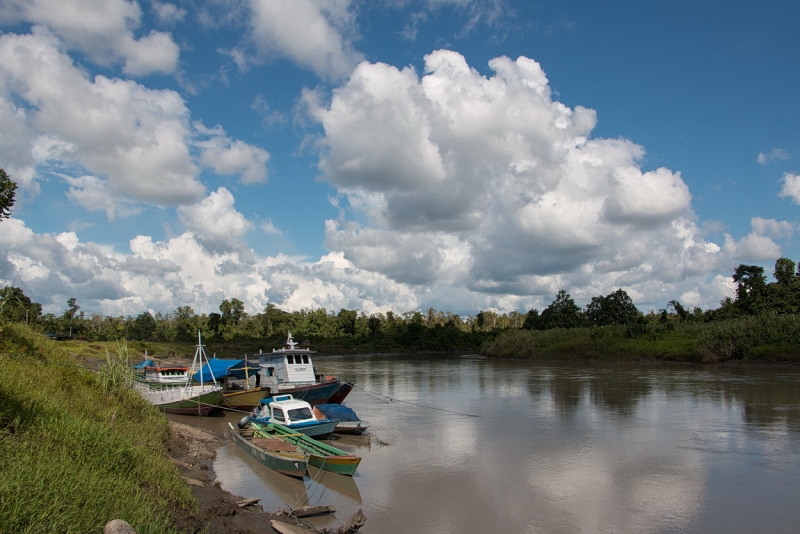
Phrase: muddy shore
x=219 y=512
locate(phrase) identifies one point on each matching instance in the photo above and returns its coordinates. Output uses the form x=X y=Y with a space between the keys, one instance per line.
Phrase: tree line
x=429 y=330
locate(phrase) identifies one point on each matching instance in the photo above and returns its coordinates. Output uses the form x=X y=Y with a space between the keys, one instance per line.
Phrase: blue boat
x=295 y=414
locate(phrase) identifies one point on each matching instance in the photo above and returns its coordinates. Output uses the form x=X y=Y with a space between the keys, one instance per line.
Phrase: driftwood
x=308 y=511
x=353 y=524
x=247 y=502
x=286 y=528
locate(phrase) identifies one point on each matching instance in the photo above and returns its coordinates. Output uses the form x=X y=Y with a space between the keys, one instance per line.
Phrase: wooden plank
x=308 y=511
x=286 y=528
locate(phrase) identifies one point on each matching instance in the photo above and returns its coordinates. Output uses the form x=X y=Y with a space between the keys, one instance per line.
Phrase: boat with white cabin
x=290 y=371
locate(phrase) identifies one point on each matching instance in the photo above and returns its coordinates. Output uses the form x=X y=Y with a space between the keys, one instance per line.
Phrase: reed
x=78 y=448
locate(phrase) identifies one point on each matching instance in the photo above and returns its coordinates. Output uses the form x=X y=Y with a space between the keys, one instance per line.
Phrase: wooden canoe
x=277 y=454
x=321 y=455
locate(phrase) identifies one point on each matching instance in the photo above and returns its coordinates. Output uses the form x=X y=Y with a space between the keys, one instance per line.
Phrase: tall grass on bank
x=767 y=338
x=608 y=343
x=759 y=339
x=78 y=448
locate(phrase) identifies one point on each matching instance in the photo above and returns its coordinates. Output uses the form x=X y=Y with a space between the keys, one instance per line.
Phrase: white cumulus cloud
x=317 y=35
x=102 y=29
x=511 y=175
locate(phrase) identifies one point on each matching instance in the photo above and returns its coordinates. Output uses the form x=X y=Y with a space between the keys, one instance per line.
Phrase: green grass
x=79 y=448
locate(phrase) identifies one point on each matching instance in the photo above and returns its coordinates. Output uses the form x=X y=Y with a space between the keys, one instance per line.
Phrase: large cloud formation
x=491 y=183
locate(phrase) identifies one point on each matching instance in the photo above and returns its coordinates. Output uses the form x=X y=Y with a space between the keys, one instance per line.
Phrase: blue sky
x=463 y=155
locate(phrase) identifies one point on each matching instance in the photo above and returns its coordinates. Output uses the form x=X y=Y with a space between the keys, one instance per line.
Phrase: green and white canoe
x=286 y=458
x=321 y=455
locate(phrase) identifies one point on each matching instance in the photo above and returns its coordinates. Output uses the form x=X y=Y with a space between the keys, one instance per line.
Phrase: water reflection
x=473 y=445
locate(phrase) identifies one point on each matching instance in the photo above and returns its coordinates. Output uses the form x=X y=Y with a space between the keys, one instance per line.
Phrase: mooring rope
x=390 y=399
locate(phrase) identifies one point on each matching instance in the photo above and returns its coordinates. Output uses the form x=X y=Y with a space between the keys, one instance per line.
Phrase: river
x=472 y=445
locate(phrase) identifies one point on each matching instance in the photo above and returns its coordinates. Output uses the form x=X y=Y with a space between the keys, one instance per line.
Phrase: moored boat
x=294 y=414
x=186 y=399
x=239 y=382
x=290 y=371
x=349 y=422
x=321 y=455
x=277 y=454
x=165 y=374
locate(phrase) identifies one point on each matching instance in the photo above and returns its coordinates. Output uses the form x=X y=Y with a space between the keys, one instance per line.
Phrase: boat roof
x=167 y=368
x=285 y=401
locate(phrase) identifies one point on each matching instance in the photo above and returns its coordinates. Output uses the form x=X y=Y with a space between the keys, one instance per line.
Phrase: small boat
x=349 y=423
x=186 y=399
x=275 y=453
x=290 y=371
x=321 y=455
x=294 y=414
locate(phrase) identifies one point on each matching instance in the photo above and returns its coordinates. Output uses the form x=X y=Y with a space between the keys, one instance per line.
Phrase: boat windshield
x=300 y=414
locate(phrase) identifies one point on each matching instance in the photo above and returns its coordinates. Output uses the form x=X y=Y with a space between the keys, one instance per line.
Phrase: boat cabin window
x=299 y=414
x=289 y=358
x=305 y=358
x=277 y=414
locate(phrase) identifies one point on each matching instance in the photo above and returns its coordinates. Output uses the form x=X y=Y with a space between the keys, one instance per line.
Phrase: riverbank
x=219 y=512
x=79 y=448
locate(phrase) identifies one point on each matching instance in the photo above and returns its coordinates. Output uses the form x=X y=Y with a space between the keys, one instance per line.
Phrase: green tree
x=347 y=321
x=70 y=312
x=144 y=326
x=561 y=313
x=784 y=271
x=532 y=320
x=614 y=308
x=751 y=289
x=16 y=306
x=8 y=189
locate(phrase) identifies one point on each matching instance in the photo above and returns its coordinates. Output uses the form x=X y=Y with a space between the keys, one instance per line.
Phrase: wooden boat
x=292 y=413
x=243 y=399
x=182 y=400
x=186 y=399
x=238 y=379
x=321 y=455
x=349 y=423
x=275 y=453
x=290 y=371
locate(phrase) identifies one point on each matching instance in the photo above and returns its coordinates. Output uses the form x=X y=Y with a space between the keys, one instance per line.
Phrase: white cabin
x=286 y=365
x=286 y=410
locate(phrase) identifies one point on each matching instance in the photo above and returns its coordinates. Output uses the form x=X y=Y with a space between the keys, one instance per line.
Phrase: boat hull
x=341 y=393
x=319 y=429
x=321 y=455
x=245 y=399
x=290 y=464
x=316 y=393
x=181 y=400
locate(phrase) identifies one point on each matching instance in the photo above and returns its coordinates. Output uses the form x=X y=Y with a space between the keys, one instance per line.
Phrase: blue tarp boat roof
x=146 y=363
x=243 y=369
x=217 y=366
x=337 y=411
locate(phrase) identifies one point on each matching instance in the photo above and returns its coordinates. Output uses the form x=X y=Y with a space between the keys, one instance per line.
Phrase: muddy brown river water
x=470 y=445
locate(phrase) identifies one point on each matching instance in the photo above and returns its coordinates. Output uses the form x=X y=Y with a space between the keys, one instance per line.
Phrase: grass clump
x=79 y=448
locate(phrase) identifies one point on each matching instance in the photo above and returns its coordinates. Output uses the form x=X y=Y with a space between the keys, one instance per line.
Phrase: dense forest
x=415 y=330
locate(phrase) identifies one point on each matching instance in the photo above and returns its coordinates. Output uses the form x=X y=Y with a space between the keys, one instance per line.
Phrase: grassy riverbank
x=78 y=448
x=755 y=339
